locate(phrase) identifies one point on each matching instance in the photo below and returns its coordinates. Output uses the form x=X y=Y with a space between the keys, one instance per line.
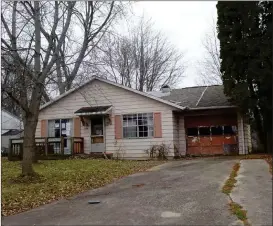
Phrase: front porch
x=48 y=147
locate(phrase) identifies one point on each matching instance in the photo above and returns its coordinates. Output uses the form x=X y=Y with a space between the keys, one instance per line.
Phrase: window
x=59 y=128
x=138 y=125
x=217 y=130
x=230 y=130
x=192 y=131
x=204 y=131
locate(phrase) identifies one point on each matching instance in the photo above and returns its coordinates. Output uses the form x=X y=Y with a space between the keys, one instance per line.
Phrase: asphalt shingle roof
x=12 y=132
x=92 y=109
x=199 y=96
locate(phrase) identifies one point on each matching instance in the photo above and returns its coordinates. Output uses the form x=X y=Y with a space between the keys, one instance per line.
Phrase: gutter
x=211 y=107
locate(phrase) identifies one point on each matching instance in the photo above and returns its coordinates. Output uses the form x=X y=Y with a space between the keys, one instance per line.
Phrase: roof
x=199 y=97
x=12 y=132
x=11 y=114
x=98 y=110
x=114 y=84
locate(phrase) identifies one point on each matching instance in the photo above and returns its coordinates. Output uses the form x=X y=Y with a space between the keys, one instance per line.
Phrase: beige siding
x=176 y=132
x=182 y=136
x=123 y=102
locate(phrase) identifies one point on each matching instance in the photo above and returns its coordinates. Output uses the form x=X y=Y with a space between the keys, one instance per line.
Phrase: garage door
x=211 y=134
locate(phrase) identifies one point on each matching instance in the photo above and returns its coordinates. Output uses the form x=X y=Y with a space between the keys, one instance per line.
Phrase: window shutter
x=157 y=125
x=118 y=127
x=77 y=127
x=43 y=128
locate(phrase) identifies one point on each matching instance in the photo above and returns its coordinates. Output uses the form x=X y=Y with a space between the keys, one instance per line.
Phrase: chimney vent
x=165 y=89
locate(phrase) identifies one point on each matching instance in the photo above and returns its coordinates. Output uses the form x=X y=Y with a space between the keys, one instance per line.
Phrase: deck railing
x=48 y=146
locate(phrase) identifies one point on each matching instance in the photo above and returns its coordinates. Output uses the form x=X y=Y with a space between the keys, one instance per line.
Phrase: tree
x=93 y=21
x=245 y=34
x=33 y=38
x=143 y=59
x=209 y=68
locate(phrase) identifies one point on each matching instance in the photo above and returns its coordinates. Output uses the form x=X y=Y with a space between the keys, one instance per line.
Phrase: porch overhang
x=90 y=111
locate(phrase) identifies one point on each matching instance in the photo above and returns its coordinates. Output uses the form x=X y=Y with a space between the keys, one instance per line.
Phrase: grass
x=237 y=210
x=231 y=181
x=60 y=179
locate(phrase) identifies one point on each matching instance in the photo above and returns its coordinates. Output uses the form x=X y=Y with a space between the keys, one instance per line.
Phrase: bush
x=159 y=151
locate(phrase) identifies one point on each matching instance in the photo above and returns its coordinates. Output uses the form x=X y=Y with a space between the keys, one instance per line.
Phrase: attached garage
x=210 y=124
x=211 y=134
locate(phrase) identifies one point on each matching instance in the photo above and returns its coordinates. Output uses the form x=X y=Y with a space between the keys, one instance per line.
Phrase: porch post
x=62 y=145
x=46 y=146
x=72 y=145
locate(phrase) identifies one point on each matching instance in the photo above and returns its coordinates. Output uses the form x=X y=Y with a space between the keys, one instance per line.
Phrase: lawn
x=60 y=179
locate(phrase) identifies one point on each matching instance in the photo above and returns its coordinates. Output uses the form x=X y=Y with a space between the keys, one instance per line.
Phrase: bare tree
x=144 y=59
x=93 y=20
x=34 y=50
x=209 y=67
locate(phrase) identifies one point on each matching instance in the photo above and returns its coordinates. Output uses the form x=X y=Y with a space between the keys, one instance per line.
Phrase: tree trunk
x=31 y=116
x=29 y=146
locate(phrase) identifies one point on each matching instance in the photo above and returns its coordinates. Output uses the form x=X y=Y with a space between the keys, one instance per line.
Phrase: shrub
x=160 y=151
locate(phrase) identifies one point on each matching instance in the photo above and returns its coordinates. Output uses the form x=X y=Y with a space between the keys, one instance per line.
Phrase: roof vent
x=165 y=89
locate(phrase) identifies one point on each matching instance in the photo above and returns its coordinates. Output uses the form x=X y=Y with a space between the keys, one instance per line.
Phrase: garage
x=214 y=134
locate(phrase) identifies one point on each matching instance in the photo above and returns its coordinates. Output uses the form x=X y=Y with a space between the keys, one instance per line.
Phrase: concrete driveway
x=177 y=193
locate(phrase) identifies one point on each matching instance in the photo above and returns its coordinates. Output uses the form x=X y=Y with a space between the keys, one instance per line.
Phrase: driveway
x=177 y=193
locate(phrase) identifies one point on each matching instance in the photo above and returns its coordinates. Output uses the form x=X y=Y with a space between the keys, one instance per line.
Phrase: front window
x=60 y=128
x=138 y=125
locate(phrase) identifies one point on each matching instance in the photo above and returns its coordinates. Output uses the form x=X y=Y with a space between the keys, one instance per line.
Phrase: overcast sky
x=185 y=24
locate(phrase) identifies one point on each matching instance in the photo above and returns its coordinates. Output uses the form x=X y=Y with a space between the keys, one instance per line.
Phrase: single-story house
x=11 y=134
x=11 y=128
x=116 y=119
x=10 y=121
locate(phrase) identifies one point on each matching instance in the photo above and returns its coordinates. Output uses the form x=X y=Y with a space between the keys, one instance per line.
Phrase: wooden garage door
x=211 y=134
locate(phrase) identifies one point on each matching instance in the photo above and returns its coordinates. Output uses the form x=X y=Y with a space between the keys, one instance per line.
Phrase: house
x=11 y=127
x=120 y=120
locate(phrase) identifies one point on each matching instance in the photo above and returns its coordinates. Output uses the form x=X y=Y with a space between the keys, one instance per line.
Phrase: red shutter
x=157 y=125
x=43 y=128
x=118 y=127
x=77 y=127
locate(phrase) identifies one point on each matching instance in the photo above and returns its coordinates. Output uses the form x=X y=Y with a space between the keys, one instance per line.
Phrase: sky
x=185 y=24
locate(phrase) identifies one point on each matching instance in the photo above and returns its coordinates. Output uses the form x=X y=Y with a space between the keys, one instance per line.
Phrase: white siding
x=123 y=102
x=247 y=136
x=244 y=135
x=8 y=122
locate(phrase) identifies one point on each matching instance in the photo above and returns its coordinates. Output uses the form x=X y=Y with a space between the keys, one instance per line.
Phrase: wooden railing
x=48 y=146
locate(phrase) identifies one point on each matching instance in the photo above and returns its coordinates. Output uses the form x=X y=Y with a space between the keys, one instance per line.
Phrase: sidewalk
x=253 y=191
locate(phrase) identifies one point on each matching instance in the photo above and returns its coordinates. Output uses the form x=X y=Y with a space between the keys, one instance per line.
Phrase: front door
x=97 y=134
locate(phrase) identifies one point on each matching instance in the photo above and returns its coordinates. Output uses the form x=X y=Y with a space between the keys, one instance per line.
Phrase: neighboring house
x=114 y=118
x=11 y=127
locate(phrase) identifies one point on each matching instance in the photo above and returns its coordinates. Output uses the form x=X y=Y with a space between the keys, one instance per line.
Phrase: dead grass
x=269 y=161
x=60 y=179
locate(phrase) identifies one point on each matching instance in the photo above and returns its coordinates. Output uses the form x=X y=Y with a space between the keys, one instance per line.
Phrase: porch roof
x=97 y=110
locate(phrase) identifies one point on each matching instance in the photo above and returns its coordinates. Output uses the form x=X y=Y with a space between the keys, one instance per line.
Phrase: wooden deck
x=48 y=147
